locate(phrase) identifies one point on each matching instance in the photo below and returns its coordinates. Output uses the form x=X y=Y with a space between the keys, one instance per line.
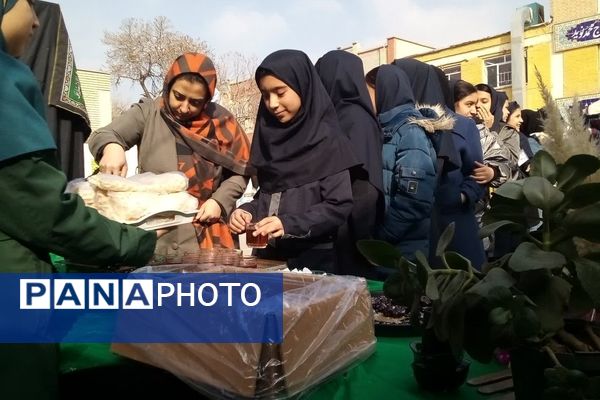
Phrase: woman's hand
x=270 y=226
x=113 y=160
x=482 y=173
x=209 y=212
x=238 y=220
x=485 y=116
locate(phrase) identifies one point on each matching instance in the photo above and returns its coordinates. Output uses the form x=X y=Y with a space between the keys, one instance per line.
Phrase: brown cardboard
x=328 y=324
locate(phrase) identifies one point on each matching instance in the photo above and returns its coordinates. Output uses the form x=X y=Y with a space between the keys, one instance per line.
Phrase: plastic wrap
x=327 y=327
x=151 y=201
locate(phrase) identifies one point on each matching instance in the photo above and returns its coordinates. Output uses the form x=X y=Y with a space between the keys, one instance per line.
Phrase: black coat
x=310 y=214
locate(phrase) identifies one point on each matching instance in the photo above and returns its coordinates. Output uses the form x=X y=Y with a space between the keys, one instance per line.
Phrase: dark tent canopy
x=50 y=57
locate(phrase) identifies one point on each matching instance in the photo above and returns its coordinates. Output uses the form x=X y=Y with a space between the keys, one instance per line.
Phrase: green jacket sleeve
x=37 y=213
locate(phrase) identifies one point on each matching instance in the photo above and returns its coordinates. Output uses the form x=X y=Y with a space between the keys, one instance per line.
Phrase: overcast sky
x=258 y=27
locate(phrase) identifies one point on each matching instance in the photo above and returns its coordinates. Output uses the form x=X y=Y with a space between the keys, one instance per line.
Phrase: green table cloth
x=386 y=374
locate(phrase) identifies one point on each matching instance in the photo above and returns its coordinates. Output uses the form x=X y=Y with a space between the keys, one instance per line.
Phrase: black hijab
x=343 y=76
x=308 y=148
x=451 y=100
x=425 y=81
x=532 y=122
x=430 y=86
x=392 y=89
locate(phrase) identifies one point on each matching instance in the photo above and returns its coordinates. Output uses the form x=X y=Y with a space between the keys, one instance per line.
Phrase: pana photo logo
x=135 y=294
x=140 y=307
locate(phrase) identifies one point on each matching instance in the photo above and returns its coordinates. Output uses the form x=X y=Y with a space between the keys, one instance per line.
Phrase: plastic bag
x=328 y=327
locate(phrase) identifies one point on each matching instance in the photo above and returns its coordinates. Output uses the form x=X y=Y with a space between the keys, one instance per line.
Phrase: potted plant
x=552 y=279
x=438 y=364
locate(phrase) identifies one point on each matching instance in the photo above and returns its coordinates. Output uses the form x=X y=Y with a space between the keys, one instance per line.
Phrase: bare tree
x=237 y=88
x=119 y=106
x=143 y=51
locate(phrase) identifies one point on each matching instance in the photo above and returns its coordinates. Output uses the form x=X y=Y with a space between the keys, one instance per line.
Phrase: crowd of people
x=397 y=153
x=340 y=154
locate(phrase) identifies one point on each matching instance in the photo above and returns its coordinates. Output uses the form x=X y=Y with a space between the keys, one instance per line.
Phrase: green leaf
x=500 y=316
x=457 y=261
x=379 y=253
x=501 y=213
x=454 y=285
x=588 y=273
x=501 y=296
x=431 y=289
x=529 y=257
x=498 y=263
x=502 y=208
x=421 y=273
x=495 y=277
x=575 y=170
x=543 y=165
x=445 y=239
x=422 y=260
x=511 y=190
x=526 y=323
x=584 y=222
x=552 y=302
x=488 y=229
x=399 y=289
x=540 y=193
x=583 y=195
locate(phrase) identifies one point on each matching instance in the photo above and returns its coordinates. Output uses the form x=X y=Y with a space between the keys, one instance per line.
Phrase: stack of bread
x=131 y=200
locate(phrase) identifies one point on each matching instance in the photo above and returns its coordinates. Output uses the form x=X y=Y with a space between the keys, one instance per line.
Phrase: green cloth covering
x=387 y=374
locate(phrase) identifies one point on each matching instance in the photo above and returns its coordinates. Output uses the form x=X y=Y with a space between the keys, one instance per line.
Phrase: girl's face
x=515 y=120
x=485 y=100
x=505 y=111
x=18 y=25
x=467 y=106
x=280 y=99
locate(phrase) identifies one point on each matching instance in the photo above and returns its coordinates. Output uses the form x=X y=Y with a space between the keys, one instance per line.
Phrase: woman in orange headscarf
x=184 y=131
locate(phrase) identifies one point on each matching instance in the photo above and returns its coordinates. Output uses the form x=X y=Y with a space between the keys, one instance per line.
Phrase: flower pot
x=438 y=372
x=586 y=362
x=527 y=365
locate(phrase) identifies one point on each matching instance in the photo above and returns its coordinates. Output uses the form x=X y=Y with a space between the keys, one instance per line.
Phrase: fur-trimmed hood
x=436 y=118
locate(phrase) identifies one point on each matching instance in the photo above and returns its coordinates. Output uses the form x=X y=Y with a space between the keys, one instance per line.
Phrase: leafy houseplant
x=551 y=278
x=522 y=300
x=439 y=363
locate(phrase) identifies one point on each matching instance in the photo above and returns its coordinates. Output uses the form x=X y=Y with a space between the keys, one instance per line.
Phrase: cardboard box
x=328 y=326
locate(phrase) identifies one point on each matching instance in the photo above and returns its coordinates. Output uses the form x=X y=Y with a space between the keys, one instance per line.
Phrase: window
x=499 y=71
x=452 y=73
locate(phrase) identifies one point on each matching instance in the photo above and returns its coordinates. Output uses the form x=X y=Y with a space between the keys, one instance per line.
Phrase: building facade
x=96 y=89
x=564 y=48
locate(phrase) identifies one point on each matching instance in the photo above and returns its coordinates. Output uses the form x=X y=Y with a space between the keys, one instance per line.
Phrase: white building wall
x=96 y=88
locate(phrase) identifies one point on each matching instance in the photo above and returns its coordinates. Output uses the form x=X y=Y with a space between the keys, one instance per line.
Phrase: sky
x=259 y=27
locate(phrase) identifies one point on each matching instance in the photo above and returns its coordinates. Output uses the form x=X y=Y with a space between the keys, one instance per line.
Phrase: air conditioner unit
x=537 y=12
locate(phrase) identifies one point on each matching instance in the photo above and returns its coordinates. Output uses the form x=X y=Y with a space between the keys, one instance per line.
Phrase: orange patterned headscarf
x=210 y=148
